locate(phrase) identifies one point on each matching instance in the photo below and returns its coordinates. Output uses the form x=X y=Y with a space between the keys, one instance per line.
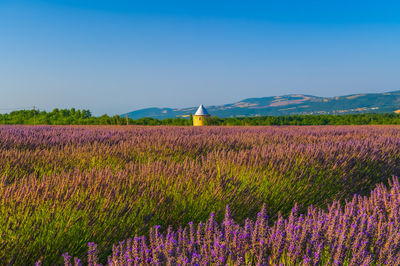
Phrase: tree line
x=85 y=117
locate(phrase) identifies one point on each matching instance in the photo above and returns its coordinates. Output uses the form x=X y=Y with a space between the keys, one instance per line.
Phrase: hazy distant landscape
x=295 y=104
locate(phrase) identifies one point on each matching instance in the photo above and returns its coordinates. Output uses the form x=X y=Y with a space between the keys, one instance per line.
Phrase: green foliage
x=84 y=117
x=213 y=121
x=55 y=117
x=303 y=120
x=80 y=117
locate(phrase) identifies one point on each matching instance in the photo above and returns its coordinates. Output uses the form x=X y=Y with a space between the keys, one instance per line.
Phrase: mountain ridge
x=290 y=104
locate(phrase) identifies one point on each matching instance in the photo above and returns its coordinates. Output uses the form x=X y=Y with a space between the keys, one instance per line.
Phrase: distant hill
x=292 y=104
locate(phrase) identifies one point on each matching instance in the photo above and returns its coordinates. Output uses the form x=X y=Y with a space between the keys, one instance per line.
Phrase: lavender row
x=365 y=231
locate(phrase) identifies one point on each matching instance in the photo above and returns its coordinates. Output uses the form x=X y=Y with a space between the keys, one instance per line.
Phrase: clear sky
x=117 y=56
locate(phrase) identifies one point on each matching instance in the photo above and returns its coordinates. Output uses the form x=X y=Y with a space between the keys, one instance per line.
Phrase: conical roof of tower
x=201 y=111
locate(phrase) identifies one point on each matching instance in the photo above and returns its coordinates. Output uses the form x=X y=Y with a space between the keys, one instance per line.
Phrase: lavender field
x=146 y=195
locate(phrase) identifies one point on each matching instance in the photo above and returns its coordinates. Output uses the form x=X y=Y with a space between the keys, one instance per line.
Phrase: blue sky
x=117 y=56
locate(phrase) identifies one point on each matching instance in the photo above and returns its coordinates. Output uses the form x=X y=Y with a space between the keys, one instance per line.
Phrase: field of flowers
x=366 y=231
x=64 y=187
